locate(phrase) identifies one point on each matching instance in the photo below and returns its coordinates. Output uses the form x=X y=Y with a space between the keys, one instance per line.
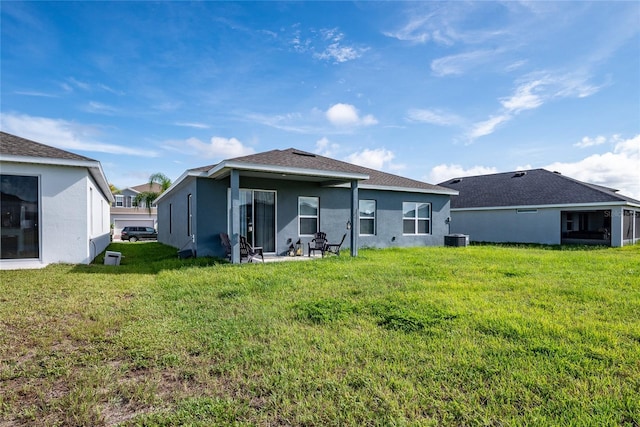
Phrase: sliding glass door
x=258 y=218
x=20 y=217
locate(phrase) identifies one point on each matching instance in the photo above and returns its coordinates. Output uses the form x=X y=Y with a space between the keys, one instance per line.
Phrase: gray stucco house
x=539 y=206
x=278 y=197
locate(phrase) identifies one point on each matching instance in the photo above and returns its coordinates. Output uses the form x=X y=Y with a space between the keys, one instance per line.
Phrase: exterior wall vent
x=302 y=153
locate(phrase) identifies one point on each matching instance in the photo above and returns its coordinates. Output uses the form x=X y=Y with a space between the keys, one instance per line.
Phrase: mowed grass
x=483 y=335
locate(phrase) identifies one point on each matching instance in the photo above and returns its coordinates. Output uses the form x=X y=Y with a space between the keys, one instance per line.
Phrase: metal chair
x=318 y=243
x=249 y=252
x=334 y=248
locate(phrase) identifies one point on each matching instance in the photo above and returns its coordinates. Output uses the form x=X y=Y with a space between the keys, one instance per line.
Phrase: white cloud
x=326 y=148
x=444 y=172
x=487 y=127
x=460 y=63
x=38 y=94
x=100 y=108
x=326 y=44
x=435 y=117
x=619 y=168
x=193 y=125
x=63 y=134
x=531 y=92
x=374 y=159
x=348 y=115
x=413 y=31
x=339 y=53
x=590 y=142
x=523 y=98
x=218 y=147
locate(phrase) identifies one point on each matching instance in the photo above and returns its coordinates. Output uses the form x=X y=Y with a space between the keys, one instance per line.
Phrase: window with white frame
x=367 y=210
x=416 y=218
x=119 y=201
x=308 y=215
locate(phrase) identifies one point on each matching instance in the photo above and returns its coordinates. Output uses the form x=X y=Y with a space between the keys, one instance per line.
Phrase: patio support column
x=235 y=216
x=355 y=220
x=617 y=224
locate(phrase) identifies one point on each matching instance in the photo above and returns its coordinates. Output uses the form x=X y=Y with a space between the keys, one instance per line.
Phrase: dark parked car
x=133 y=234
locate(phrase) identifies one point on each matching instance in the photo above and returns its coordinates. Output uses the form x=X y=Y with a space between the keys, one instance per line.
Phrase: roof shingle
x=537 y=187
x=13 y=145
x=294 y=158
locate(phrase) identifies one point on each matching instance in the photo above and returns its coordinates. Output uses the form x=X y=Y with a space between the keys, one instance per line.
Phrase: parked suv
x=133 y=234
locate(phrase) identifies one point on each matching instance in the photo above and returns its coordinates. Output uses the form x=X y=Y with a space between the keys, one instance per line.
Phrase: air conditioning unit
x=456 y=240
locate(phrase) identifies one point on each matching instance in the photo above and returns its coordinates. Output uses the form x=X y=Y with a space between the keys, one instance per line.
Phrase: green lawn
x=483 y=335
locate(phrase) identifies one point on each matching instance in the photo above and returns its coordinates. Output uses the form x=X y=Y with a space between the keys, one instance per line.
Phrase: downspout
x=355 y=222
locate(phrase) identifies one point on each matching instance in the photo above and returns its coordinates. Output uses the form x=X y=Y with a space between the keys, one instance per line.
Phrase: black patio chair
x=334 y=248
x=318 y=243
x=249 y=252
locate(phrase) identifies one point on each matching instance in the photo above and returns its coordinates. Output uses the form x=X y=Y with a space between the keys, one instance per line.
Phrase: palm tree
x=146 y=198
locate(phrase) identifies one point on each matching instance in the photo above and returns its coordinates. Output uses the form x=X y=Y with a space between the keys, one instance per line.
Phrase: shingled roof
x=21 y=150
x=155 y=188
x=292 y=158
x=12 y=145
x=536 y=187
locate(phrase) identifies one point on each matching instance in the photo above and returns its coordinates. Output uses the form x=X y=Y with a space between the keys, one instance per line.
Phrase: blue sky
x=427 y=90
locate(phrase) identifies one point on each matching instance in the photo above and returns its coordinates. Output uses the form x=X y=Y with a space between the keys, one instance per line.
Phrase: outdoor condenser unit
x=456 y=240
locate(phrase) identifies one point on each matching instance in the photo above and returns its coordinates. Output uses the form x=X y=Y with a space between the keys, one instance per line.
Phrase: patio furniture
x=318 y=243
x=334 y=248
x=226 y=244
x=249 y=252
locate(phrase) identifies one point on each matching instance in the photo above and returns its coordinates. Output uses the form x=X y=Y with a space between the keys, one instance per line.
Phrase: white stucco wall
x=74 y=215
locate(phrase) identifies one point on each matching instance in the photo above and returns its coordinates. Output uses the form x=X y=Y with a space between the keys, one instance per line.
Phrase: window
x=119 y=201
x=308 y=215
x=20 y=217
x=170 y=218
x=416 y=218
x=367 y=210
x=189 y=215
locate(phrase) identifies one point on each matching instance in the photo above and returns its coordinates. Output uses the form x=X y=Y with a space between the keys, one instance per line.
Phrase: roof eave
x=555 y=206
x=223 y=168
x=177 y=182
x=94 y=167
x=443 y=191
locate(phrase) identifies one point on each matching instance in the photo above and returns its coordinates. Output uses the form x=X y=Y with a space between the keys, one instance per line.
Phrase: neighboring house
x=54 y=207
x=277 y=197
x=124 y=211
x=538 y=206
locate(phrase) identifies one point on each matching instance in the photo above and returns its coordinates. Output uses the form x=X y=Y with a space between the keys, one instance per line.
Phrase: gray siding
x=506 y=225
x=175 y=234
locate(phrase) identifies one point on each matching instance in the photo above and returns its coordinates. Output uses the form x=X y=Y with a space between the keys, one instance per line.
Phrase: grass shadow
x=144 y=258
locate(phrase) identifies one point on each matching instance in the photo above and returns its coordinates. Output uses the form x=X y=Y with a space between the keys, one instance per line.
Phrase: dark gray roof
x=12 y=145
x=537 y=187
x=298 y=159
